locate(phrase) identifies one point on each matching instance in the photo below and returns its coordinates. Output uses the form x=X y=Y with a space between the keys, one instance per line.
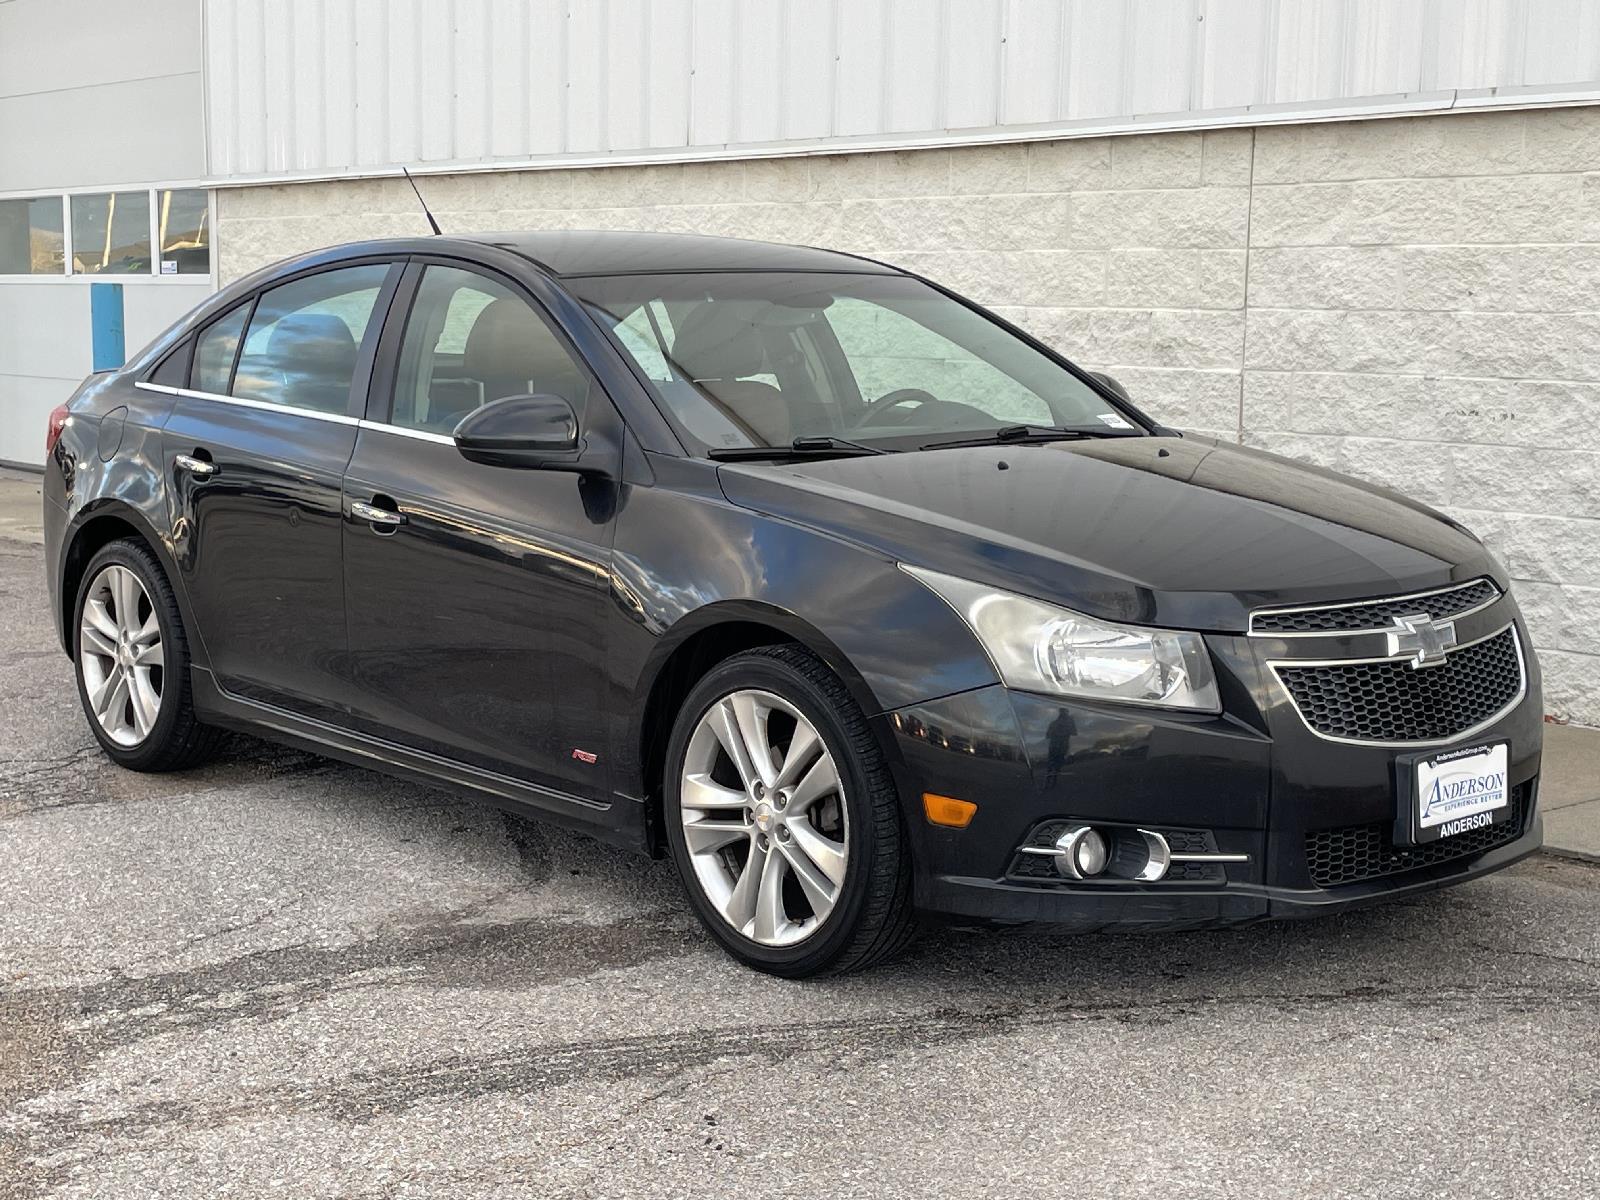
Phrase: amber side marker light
x=947 y=810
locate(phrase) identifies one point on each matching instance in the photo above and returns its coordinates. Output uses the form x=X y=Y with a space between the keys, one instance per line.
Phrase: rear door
x=257 y=445
x=477 y=599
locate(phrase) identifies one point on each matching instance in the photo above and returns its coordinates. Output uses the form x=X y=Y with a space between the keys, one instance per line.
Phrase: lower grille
x=1391 y=701
x=1359 y=852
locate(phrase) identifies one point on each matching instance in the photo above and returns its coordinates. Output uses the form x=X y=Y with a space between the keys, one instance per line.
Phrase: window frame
x=386 y=369
x=364 y=376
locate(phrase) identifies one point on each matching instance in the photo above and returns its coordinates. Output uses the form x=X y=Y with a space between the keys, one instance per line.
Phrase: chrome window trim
x=1465 y=734
x=242 y=402
x=1401 y=599
x=421 y=435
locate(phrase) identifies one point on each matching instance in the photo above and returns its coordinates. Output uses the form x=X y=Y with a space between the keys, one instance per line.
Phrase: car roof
x=572 y=252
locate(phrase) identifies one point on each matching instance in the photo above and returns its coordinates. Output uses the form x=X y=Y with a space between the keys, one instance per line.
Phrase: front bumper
x=1254 y=780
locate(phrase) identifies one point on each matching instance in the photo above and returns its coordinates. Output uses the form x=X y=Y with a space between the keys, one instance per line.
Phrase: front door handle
x=193 y=465
x=378 y=516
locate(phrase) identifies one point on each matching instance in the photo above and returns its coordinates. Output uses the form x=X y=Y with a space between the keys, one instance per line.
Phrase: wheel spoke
x=741 y=907
x=95 y=614
x=150 y=656
x=113 y=699
x=704 y=836
x=146 y=704
x=150 y=631
x=726 y=726
x=752 y=722
x=702 y=792
x=126 y=590
x=827 y=854
x=820 y=780
x=803 y=748
x=94 y=641
x=820 y=891
x=770 y=915
x=99 y=696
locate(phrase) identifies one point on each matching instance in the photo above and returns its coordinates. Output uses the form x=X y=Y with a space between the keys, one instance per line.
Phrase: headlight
x=1038 y=647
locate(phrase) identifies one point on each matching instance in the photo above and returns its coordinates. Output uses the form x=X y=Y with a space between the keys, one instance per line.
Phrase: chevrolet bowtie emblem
x=1427 y=641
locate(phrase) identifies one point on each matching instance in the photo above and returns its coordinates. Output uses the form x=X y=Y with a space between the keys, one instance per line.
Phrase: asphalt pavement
x=280 y=976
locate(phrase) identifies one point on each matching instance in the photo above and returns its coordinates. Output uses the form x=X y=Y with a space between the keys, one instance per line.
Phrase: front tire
x=132 y=659
x=783 y=820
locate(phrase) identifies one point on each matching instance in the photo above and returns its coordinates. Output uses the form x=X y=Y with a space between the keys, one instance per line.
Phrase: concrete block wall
x=1413 y=301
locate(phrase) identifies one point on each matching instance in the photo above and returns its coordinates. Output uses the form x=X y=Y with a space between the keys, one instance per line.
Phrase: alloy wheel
x=764 y=818
x=120 y=656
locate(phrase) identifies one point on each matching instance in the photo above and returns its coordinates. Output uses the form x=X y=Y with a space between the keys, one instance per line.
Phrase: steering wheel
x=894 y=399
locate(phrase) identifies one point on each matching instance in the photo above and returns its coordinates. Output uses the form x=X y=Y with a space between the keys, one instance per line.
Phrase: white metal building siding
x=321 y=87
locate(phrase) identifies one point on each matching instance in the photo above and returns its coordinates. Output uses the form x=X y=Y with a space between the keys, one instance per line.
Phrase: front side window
x=761 y=358
x=305 y=337
x=470 y=340
x=30 y=236
x=215 y=351
x=111 y=234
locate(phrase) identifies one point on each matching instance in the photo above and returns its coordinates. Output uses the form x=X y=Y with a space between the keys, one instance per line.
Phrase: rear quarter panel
x=109 y=462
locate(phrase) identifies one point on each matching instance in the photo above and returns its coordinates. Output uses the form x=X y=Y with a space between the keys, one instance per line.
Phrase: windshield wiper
x=801 y=447
x=1014 y=434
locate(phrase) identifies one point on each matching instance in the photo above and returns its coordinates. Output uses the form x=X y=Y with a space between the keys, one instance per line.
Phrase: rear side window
x=214 y=352
x=174 y=368
x=305 y=337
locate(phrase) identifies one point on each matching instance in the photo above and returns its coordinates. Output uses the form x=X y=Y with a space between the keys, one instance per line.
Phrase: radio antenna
x=434 y=225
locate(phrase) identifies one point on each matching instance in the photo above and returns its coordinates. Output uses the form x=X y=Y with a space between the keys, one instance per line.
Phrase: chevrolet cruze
x=850 y=597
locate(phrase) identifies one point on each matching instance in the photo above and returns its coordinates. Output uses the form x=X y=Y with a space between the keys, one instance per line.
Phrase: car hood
x=1180 y=532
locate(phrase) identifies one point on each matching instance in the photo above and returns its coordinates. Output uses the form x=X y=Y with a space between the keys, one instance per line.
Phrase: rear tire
x=132 y=658
x=821 y=813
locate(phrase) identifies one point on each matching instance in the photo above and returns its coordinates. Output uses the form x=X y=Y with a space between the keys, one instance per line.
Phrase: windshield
x=763 y=358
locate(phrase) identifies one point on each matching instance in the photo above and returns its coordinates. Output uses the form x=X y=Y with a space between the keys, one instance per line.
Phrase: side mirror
x=1111 y=385
x=538 y=431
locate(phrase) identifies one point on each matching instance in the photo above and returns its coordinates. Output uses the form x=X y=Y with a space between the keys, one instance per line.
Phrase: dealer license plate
x=1461 y=790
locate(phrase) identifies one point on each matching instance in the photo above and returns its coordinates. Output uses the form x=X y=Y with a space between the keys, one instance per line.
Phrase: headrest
x=510 y=350
x=721 y=340
x=314 y=339
x=502 y=339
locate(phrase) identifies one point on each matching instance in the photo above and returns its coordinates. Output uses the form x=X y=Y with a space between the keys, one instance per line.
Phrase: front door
x=476 y=597
x=257 y=446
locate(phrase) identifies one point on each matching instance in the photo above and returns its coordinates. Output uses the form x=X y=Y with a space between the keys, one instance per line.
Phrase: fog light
x=1082 y=852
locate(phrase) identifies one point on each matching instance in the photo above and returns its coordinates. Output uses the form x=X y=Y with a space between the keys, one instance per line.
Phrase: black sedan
x=850 y=596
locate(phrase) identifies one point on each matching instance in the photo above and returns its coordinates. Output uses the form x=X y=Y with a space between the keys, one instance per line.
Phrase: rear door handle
x=378 y=516
x=193 y=465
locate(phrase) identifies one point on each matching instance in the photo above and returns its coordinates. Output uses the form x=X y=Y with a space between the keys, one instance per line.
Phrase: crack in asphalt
x=72 y=1027
x=361 y=1097
x=77 y=779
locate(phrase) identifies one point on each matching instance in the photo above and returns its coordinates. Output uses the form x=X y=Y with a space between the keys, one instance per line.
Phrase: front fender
x=686 y=560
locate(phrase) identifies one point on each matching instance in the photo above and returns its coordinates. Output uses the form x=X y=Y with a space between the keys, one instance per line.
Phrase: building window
x=111 y=234
x=184 y=231
x=30 y=236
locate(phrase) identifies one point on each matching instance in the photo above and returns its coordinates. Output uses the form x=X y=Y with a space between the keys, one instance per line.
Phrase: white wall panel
x=45 y=346
x=322 y=87
x=99 y=92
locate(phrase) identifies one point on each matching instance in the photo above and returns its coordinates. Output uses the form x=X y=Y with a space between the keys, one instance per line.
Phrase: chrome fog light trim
x=1160 y=856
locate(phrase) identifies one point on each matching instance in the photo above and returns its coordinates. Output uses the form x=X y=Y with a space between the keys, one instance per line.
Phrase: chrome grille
x=1375 y=614
x=1392 y=701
